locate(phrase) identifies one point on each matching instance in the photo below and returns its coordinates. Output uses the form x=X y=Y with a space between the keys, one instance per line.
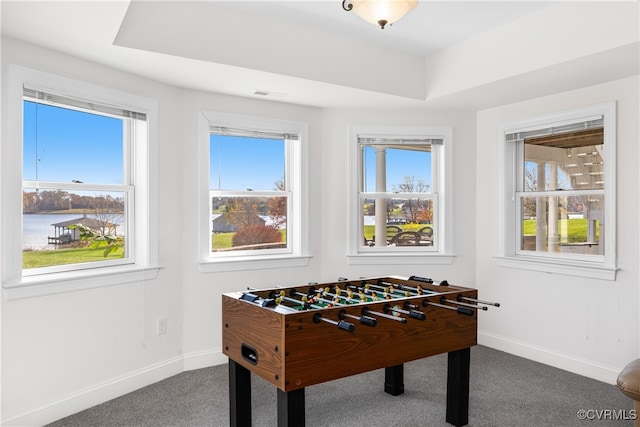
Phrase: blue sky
x=239 y=163
x=71 y=145
x=400 y=164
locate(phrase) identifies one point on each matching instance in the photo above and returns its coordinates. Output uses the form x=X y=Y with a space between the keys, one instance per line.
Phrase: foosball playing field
x=299 y=336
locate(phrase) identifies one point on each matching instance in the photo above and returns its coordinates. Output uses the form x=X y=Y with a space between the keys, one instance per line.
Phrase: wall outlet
x=161 y=326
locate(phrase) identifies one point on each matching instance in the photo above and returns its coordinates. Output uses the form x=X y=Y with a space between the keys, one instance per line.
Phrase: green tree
x=277 y=206
x=414 y=208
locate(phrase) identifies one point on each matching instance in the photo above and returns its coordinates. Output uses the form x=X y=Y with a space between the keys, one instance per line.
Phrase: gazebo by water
x=64 y=234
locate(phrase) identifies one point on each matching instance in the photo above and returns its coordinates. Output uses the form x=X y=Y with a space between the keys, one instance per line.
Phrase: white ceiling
x=102 y=32
x=432 y=25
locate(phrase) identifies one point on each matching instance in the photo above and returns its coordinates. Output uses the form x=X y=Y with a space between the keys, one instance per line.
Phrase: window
x=255 y=207
x=76 y=184
x=561 y=181
x=74 y=164
x=400 y=193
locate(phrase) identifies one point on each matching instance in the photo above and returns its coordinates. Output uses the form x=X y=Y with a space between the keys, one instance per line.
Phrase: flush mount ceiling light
x=380 y=12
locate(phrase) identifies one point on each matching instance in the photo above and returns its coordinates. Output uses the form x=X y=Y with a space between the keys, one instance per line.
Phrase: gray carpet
x=506 y=390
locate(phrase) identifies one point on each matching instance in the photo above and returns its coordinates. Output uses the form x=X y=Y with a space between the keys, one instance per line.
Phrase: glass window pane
x=64 y=145
x=404 y=222
x=248 y=223
x=406 y=169
x=241 y=163
x=573 y=161
x=567 y=224
x=50 y=232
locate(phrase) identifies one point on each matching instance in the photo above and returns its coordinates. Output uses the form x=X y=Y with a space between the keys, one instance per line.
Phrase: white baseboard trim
x=204 y=359
x=100 y=393
x=565 y=362
x=97 y=394
x=117 y=387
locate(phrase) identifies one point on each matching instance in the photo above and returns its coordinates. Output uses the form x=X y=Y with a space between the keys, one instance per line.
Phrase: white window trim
x=442 y=170
x=298 y=218
x=508 y=253
x=15 y=284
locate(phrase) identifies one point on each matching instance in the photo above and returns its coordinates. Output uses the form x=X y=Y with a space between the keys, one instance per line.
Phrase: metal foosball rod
x=495 y=304
x=430 y=281
x=363 y=290
x=362 y=293
x=386 y=289
x=368 y=312
x=341 y=324
x=332 y=302
x=465 y=304
x=414 y=314
x=280 y=301
x=304 y=304
x=412 y=289
x=312 y=298
x=365 y=320
x=337 y=295
x=461 y=310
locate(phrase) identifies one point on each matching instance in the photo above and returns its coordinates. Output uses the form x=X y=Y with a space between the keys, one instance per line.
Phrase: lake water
x=37 y=227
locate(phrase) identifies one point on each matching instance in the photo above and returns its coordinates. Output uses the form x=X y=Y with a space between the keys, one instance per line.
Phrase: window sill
x=400 y=259
x=576 y=268
x=57 y=283
x=253 y=263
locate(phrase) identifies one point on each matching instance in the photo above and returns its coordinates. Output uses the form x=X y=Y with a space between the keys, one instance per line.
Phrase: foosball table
x=289 y=336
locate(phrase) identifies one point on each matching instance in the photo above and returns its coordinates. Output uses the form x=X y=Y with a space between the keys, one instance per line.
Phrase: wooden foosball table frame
x=292 y=343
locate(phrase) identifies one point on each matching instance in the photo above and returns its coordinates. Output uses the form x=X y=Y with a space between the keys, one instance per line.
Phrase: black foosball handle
x=459 y=309
x=349 y=327
x=415 y=314
x=341 y=324
x=364 y=320
x=466 y=311
x=368 y=321
x=421 y=279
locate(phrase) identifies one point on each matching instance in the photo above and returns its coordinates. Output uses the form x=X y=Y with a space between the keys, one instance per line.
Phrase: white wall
x=334 y=191
x=582 y=325
x=202 y=291
x=63 y=352
x=329 y=173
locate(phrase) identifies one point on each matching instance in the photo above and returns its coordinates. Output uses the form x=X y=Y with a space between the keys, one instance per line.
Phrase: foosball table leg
x=239 y=395
x=458 y=387
x=291 y=408
x=394 y=380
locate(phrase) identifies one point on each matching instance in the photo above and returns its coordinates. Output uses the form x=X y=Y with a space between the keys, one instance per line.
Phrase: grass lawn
x=575 y=229
x=48 y=258
x=224 y=240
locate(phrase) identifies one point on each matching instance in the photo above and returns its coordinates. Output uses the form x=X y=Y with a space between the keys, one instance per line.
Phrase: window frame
x=296 y=173
x=442 y=184
x=509 y=252
x=142 y=236
x=130 y=127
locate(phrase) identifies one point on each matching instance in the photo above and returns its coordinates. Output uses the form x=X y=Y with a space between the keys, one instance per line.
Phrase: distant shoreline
x=64 y=212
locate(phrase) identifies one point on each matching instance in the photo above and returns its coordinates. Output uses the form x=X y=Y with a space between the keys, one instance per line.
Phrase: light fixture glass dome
x=383 y=12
